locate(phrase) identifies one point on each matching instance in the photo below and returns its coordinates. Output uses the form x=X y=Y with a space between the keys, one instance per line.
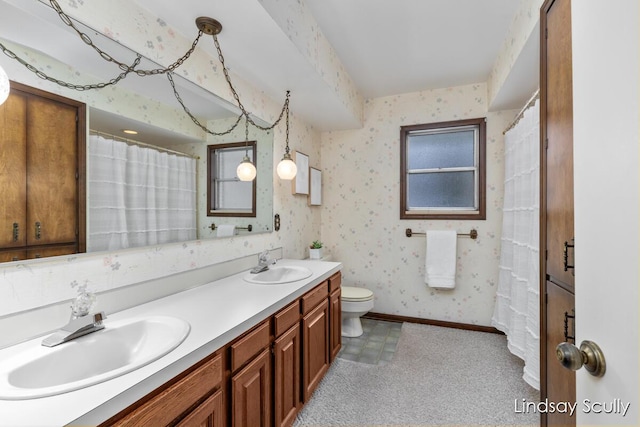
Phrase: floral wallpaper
x=39 y=283
x=361 y=209
x=359 y=219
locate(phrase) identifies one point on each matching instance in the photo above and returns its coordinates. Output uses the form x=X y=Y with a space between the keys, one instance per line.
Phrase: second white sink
x=278 y=275
x=121 y=347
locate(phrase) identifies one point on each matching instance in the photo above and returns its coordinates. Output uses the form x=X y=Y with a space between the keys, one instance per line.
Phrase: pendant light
x=287 y=169
x=246 y=171
x=4 y=86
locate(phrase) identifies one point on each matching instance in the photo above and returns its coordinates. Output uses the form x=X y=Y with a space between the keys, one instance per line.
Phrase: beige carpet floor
x=438 y=376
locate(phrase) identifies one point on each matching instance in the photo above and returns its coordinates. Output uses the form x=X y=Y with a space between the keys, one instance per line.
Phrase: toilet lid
x=350 y=293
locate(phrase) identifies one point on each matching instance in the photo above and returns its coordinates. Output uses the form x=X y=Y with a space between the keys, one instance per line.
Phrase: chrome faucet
x=81 y=322
x=263 y=262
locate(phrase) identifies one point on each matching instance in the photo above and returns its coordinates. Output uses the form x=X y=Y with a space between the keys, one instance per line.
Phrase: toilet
x=355 y=302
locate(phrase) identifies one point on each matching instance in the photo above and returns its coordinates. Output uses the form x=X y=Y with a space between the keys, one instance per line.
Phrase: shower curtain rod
x=530 y=103
x=142 y=144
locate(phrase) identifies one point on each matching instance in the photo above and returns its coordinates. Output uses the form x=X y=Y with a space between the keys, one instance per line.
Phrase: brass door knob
x=588 y=355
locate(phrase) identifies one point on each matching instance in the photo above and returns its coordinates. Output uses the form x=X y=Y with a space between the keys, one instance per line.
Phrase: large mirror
x=143 y=104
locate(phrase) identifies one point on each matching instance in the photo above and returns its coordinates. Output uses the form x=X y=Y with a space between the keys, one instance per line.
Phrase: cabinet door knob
x=16 y=231
x=38 y=230
x=588 y=355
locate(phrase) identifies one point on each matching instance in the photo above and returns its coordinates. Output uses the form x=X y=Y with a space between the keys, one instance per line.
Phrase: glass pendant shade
x=4 y=86
x=246 y=170
x=287 y=169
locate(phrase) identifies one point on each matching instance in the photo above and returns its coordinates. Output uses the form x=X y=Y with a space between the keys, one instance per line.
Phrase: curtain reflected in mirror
x=149 y=106
x=139 y=195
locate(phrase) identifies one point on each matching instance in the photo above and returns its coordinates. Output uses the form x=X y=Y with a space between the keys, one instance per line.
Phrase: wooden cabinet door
x=13 y=161
x=557 y=211
x=335 y=312
x=561 y=382
x=251 y=393
x=52 y=167
x=210 y=413
x=286 y=376
x=315 y=353
x=557 y=134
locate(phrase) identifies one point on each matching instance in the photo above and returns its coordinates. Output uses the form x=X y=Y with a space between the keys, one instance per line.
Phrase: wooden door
x=315 y=353
x=286 y=376
x=13 y=161
x=557 y=203
x=52 y=167
x=210 y=413
x=251 y=393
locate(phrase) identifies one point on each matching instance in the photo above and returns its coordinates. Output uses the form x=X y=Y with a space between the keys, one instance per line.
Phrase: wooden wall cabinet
x=42 y=152
x=557 y=267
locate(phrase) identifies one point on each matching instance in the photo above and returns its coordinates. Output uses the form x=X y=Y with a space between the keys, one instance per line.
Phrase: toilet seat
x=353 y=294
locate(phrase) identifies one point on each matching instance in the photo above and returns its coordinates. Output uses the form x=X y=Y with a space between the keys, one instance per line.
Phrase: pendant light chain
x=286 y=150
x=193 y=118
x=237 y=97
x=80 y=88
x=127 y=69
x=85 y=38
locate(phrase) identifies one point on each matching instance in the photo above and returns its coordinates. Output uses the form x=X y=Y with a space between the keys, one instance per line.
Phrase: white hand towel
x=440 y=262
x=225 y=230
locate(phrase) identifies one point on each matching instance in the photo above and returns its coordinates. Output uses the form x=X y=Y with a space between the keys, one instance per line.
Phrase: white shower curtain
x=138 y=196
x=517 y=309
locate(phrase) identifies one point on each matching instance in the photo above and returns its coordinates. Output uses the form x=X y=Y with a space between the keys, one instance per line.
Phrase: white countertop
x=218 y=312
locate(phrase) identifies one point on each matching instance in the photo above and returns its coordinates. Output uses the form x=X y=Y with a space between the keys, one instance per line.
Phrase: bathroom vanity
x=254 y=354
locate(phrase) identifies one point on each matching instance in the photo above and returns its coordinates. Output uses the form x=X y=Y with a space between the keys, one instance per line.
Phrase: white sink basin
x=278 y=275
x=121 y=347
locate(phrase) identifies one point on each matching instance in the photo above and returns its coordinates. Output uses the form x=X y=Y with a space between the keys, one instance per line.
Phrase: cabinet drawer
x=312 y=298
x=249 y=345
x=174 y=400
x=335 y=281
x=209 y=413
x=286 y=318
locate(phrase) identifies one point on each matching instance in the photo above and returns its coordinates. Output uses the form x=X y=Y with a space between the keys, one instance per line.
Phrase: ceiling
x=387 y=47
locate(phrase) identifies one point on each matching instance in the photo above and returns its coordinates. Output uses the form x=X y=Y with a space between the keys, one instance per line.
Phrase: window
x=443 y=170
x=226 y=194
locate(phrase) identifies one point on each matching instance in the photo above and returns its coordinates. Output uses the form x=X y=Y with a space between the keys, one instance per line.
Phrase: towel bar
x=473 y=233
x=248 y=227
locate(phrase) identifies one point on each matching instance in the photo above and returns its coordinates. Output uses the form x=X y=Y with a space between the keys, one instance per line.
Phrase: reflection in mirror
x=227 y=195
x=140 y=194
x=262 y=222
x=145 y=104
